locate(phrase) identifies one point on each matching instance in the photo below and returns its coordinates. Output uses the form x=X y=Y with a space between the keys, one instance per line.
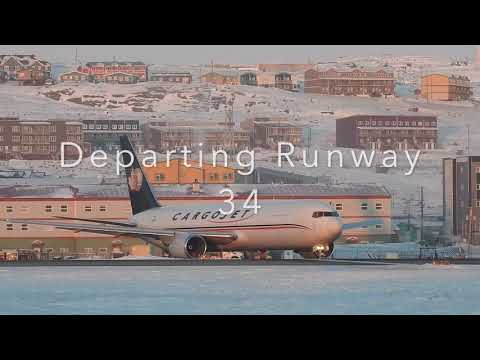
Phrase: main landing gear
x=322 y=251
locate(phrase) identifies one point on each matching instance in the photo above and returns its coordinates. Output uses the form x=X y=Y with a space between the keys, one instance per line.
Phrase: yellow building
x=178 y=173
x=440 y=87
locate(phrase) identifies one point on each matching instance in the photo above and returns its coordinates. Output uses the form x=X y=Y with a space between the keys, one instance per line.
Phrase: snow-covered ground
x=339 y=289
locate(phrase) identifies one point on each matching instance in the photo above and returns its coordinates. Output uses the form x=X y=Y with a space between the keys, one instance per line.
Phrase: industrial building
x=461 y=197
x=177 y=173
x=109 y=202
x=39 y=140
x=352 y=82
x=440 y=87
x=387 y=132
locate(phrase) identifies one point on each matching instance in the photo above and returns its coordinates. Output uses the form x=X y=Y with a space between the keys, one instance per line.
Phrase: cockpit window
x=318 y=214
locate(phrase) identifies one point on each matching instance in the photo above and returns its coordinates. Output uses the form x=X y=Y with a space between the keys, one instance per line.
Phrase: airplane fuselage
x=277 y=224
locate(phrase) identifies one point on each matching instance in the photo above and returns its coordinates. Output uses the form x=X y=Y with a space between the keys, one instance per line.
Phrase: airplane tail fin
x=141 y=195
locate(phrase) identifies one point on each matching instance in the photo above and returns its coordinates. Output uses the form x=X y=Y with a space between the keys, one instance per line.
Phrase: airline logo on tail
x=135 y=180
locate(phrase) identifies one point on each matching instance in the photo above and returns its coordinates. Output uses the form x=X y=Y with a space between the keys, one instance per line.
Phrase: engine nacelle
x=189 y=246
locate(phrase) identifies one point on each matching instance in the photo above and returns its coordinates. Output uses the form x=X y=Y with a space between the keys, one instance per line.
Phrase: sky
x=239 y=54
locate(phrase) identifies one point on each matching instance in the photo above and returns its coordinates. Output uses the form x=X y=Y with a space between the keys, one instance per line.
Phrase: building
x=39 y=140
x=104 y=134
x=12 y=65
x=178 y=173
x=173 y=77
x=99 y=70
x=162 y=136
x=355 y=82
x=31 y=77
x=449 y=183
x=249 y=79
x=268 y=131
x=440 y=87
x=289 y=68
x=266 y=79
x=477 y=57
x=111 y=203
x=121 y=78
x=283 y=81
x=224 y=78
x=75 y=76
x=461 y=197
x=380 y=132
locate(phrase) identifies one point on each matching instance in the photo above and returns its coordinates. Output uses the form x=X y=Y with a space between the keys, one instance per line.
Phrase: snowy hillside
x=199 y=101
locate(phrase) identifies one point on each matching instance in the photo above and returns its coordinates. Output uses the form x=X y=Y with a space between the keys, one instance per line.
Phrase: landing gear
x=322 y=251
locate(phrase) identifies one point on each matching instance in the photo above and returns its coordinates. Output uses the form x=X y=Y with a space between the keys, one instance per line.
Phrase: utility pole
x=422 y=205
x=468 y=140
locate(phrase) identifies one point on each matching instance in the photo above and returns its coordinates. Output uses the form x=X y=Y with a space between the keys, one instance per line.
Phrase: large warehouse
x=110 y=202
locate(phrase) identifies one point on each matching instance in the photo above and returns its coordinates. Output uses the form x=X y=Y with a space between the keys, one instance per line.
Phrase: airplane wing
x=217 y=238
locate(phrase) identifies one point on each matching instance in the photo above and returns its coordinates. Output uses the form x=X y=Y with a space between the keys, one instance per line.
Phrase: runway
x=228 y=290
x=203 y=263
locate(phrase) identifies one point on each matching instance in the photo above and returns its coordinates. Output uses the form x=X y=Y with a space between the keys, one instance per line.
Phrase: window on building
x=48 y=208
x=63 y=208
x=24 y=227
x=87 y=208
x=379 y=206
x=477 y=170
x=127 y=127
x=364 y=206
x=98 y=127
x=339 y=206
x=9 y=209
x=102 y=208
x=160 y=177
x=378 y=226
x=478 y=186
x=9 y=227
x=478 y=203
x=114 y=126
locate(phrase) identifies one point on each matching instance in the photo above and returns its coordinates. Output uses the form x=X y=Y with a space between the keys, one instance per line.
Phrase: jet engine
x=189 y=246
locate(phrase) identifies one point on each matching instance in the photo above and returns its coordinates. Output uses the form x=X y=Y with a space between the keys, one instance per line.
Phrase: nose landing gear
x=322 y=251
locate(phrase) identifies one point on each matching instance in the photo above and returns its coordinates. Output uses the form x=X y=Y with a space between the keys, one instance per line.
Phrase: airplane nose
x=336 y=229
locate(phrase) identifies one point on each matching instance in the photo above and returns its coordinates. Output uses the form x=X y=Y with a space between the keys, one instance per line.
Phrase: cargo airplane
x=191 y=231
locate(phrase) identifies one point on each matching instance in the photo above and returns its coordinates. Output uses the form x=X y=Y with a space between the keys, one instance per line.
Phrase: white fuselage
x=278 y=225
